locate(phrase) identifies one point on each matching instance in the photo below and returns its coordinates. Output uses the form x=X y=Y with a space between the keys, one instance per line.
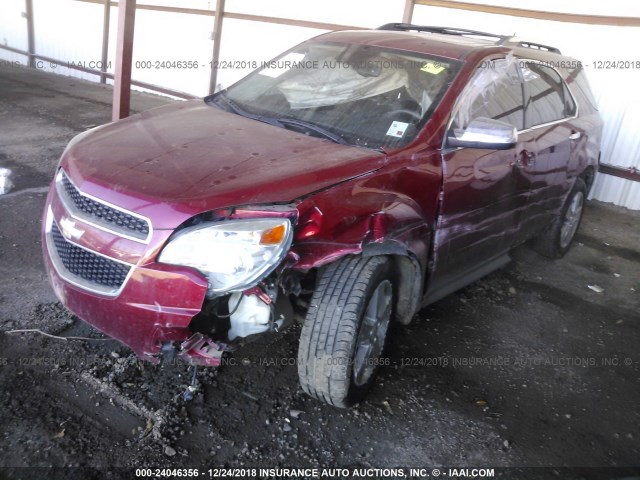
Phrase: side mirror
x=484 y=133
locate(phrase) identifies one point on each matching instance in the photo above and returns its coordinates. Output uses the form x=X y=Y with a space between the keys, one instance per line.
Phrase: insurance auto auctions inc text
x=374 y=472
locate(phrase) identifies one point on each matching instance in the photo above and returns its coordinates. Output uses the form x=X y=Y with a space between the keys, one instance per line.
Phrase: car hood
x=174 y=162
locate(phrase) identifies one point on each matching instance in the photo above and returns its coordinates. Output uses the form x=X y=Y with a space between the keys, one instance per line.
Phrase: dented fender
x=355 y=217
x=376 y=214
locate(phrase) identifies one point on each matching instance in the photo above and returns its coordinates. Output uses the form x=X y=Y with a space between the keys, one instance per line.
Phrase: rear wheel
x=346 y=329
x=556 y=239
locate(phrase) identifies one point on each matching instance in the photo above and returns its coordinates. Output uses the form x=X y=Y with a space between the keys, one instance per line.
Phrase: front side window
x=354 y=94
x=495 y=91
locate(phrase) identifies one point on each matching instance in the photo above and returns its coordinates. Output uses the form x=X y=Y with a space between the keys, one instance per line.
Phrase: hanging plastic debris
x=5 y=181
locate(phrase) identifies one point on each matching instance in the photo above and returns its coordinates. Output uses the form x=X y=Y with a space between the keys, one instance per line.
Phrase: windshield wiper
x=231 y=106
x=312 y=127
x=221 y=100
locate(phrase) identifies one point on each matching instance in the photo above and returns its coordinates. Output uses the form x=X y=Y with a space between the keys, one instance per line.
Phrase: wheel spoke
x=383 y=304
x=571 y=219
x=367 y=331
x=371 y=314
x=363 y=353
x=373 y=332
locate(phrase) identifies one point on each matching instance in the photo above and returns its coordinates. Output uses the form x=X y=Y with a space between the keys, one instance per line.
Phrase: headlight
x=233 y=255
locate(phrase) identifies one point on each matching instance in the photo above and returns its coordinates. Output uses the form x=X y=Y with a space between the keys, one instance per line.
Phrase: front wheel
x=346 y=329
x=555 y=240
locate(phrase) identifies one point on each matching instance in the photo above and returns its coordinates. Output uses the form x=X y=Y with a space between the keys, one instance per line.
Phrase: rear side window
x=547 y=96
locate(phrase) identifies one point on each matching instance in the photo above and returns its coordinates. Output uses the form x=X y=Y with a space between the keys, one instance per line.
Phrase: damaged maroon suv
x=346 y=184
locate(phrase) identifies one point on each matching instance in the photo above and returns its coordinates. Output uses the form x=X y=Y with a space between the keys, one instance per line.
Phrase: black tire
x=335 y=329
x=555 y=241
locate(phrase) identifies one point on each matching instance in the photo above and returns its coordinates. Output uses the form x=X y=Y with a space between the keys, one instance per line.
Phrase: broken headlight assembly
x=234 y=255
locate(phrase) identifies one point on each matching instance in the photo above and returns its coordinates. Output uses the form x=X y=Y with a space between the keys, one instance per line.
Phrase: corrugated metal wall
x=72 y=31
x=619 y=103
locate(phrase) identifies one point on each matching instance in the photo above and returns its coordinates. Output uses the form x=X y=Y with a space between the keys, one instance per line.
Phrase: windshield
x=355 y=94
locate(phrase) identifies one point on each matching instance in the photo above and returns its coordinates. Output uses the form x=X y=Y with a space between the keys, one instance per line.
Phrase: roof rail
x=407 y=27
x=539 y=46
x=500 y=39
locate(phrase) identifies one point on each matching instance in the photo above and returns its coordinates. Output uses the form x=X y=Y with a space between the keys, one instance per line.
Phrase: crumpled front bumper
x=155 y=304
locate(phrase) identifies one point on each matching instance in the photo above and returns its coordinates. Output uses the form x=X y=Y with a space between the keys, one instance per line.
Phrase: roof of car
x=447 y=42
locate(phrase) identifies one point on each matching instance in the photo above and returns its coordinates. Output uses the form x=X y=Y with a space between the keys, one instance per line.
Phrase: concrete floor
x=565 y=392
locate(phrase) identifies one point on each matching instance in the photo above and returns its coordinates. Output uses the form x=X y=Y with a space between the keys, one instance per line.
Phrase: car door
x=483 y=193
x=549 y=104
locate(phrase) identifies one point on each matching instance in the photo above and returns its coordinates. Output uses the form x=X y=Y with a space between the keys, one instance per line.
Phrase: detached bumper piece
x=200 y=350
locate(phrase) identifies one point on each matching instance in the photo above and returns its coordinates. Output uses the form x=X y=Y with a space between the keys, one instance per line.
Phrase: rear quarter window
x=577 y=79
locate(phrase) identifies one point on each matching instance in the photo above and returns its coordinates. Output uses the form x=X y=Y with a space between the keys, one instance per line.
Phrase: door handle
x=526 y=159
x=575 y=136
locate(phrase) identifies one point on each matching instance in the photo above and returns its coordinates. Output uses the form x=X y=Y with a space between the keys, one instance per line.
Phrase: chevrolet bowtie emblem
x=69 y=230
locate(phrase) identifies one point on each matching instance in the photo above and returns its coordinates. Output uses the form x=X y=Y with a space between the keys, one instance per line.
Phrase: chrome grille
x=95 y=270
x=106 y=216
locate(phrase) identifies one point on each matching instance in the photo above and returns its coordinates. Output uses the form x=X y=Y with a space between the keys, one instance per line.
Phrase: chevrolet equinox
x=346 y=184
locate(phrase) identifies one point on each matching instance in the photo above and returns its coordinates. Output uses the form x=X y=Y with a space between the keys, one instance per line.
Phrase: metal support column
x=106 y=20
x=31 y=48
x=407 y=16
x=217 y=36
x=124 y=59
